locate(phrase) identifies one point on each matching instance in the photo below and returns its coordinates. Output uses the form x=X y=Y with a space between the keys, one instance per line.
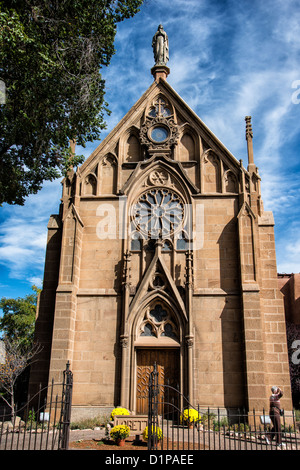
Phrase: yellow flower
x=157 y=431
x=190 y=415
x=121 y=431
x=118 y=411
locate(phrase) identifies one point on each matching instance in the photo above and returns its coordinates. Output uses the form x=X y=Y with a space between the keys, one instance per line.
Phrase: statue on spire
x=160 y=44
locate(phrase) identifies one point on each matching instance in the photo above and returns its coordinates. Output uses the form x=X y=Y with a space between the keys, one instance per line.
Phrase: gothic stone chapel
x=162 y=252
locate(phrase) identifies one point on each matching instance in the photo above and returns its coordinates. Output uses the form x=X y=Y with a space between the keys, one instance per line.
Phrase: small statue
x=160 y=44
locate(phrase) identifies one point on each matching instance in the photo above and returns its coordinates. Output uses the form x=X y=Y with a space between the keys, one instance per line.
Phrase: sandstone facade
x=162 y=251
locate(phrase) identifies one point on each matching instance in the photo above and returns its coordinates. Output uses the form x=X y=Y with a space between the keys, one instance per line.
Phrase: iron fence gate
x=174 y=424
x=44 y=422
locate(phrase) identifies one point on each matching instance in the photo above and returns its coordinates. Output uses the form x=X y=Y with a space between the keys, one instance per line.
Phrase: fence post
x=153 y=409
x=66 y=408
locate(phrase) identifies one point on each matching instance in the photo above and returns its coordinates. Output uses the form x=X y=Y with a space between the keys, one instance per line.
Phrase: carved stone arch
x=187 y=151
x=158 y=174
x=230 y=182
x=108 y=174
x=131 y=146
x=210 y=172
x=68 y=186
x=247 y=243
x=130 y=150
x=158 y=177
x=89 y=185
x=138 y=316
x=168 y=335
x=188 y=148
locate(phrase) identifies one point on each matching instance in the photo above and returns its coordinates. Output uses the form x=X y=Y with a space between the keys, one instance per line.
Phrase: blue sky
x=228 y=59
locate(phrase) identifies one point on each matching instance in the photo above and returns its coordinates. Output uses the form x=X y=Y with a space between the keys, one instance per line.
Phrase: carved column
x=124 y=339
x=124 y=390
x=189 y=337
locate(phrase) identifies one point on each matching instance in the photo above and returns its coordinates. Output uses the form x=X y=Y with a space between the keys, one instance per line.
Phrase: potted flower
x=118 y=411
x=119 y=433
x=156 y=435
x=191 y=417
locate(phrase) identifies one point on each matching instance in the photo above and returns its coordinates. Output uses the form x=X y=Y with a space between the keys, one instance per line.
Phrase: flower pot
x=121 y=442
x=190 y=425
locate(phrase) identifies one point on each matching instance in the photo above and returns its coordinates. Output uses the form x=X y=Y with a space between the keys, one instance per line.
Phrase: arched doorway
x=167 y=362
x=157 y=341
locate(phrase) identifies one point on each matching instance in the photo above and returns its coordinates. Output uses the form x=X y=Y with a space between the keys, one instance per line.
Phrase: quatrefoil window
x=158 y=322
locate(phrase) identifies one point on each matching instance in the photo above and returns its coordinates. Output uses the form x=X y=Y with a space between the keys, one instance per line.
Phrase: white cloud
x=23 y=234
x=288 y=261
x=37 y=281
x=227 y=60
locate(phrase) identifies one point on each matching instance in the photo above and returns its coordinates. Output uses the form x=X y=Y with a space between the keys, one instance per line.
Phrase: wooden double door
x=168 y=367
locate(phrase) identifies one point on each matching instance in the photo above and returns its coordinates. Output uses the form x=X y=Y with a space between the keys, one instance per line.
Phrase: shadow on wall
x=231 y=319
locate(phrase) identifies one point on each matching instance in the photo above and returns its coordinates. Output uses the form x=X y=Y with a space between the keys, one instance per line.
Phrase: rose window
x=158 y=213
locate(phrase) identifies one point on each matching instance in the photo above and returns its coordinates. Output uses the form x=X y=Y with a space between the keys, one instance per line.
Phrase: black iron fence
x=44 y=422
x=175 y=424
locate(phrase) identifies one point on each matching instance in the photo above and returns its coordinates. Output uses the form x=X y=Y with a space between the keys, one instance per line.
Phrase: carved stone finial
x=249 y=133
x=126 y=269
x=249 y=137
x=189 y=269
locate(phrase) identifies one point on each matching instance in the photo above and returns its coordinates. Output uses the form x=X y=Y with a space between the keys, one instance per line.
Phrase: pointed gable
x=160 y=124
x=157 y=282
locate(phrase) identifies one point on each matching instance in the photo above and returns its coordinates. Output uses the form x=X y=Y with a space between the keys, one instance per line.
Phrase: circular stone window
x=159 y=134
x=158 y=213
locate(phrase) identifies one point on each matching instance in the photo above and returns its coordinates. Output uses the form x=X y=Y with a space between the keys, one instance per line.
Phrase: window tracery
x=159 y=132
x=160 y=108
x=158 y=212
x=157 y=322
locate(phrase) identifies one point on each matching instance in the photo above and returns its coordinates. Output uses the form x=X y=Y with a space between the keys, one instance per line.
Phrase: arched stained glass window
x=159 y=321
x=158 y=313
x=148 y=330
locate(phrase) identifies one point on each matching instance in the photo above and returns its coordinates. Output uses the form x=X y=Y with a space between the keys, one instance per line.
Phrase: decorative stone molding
x=169 y=137
x=159 y=131
x=158 y=212
x=189 y=339
x=158 y=321
x=159 y=177
x=124 y=340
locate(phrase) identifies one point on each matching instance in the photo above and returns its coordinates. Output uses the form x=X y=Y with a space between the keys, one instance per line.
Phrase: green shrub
x=89 y=423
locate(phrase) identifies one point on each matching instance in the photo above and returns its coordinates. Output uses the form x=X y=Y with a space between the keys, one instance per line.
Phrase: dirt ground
x=106 y=444
x=130 y=444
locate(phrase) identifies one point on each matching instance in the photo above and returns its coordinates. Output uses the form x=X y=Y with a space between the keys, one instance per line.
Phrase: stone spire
x=160 y=45
x=249 y=138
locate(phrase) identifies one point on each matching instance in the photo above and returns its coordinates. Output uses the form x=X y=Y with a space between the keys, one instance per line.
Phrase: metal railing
x=186 y=427
x=44 y=422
